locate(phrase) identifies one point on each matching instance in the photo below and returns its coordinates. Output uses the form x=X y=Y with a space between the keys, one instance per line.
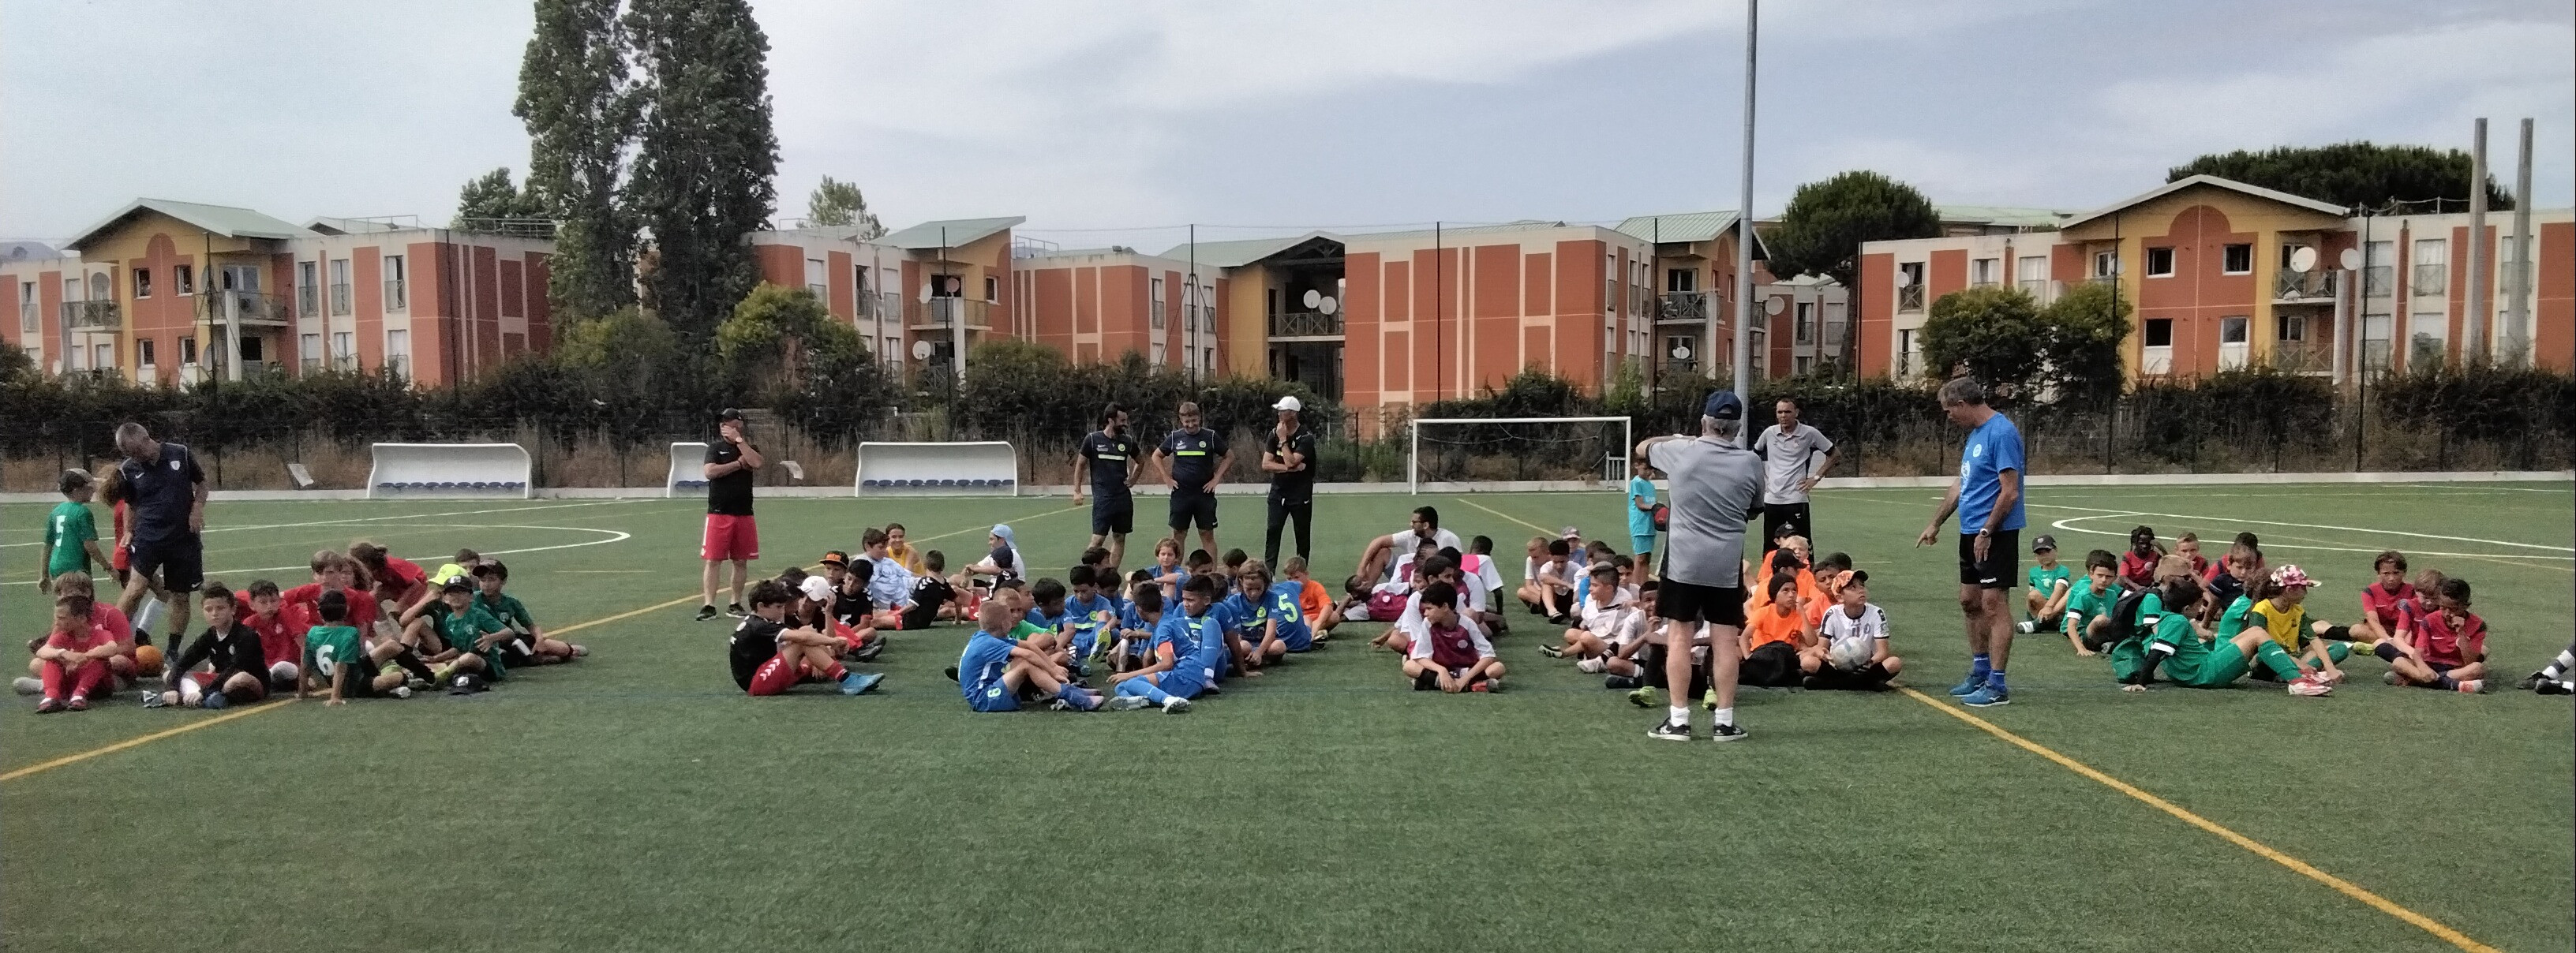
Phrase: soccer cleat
x=1060 y=705
x=402 y=691
x=214 y=701
x=869 y=652
x=1667 y=731
x=1551 y=651
x=1969 y=687
x=2470 y=687
x=581 y=651
x=48 y=706
x=734 y=609
x=1483 y=686
x=853 y=683
x=1987 y=696
x=1175 y=705
x=1129 y=702
x=1623 y=682
x=2391 y=677
x=1590 y=665
x=29 y=685
x=952 y=673
x=2552 y=686
x=153 y=700
x=1708 y=699
x=706 y=612
x=2310 y=686
x=1645 y=697
x=1726 y=733
x=81 y=703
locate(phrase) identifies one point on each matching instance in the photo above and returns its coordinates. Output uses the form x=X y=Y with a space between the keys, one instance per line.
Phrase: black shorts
x=1770 y=665
x=1190 y=506
x=361 y=680
x=2003 y=560
x=180 y=561
x=1113 y=516
x=1793 y=517
x=1715 y=605
x=1657 y=657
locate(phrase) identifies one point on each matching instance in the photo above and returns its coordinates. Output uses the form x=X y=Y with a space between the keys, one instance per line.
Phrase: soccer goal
x=414 y=470
x=688 y=469
x=977 y=468
x=1463 y=450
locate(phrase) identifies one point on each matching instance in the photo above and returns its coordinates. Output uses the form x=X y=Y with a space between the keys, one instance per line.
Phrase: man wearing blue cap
x=1715 y=484
x=1987 y=497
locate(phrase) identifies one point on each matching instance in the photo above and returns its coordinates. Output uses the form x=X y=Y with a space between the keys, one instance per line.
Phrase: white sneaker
x=402 y=691
x=1128 y=703
x=1592 y=665
x=2310 y=686
x=1175 y=705
x=2025 y=627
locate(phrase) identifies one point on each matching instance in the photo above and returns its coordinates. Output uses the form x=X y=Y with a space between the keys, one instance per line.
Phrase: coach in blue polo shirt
x=1987 y=497
x=166 y=492
x=1193 y=460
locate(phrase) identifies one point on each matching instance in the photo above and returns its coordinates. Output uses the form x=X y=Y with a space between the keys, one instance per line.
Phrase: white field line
x=613 y=536
x=2553 y=552
x=380 y=519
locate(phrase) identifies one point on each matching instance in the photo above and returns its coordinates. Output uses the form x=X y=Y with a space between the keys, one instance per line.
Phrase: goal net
x=1477 y=450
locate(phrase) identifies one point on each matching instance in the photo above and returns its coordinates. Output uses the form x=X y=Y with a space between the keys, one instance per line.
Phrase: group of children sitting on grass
x=370 y=624
x=2202 y=624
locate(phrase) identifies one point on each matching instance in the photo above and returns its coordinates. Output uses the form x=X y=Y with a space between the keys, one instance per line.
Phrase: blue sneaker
x=854 y=683
x=1988 y=696
x=1968 y=687
x=214 y=700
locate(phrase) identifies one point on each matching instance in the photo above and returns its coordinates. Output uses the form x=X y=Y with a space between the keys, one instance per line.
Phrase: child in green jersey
x=336 y=658
x=71 y=534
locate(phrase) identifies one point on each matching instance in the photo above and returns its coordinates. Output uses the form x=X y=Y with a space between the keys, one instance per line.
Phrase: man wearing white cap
x=1289 y=457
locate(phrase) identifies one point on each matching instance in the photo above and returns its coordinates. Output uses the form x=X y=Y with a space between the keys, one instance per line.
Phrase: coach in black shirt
x=1289 y=457
x=166 y=494
x=1108 y=457
x=732 y=535
x=1194 y=460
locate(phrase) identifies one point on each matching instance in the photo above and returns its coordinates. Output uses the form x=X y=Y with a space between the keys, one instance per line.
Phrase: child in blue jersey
x=1189 y=647
x=1136 y=624
x=998 y=674
x=1087 y=615
x=1267 y=617
x=1641 y=519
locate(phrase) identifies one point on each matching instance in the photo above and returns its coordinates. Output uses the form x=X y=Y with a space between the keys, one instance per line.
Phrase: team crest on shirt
x=174 y=466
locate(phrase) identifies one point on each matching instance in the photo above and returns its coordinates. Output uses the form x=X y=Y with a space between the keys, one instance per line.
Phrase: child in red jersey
x=73 y=661
x=2450 y=644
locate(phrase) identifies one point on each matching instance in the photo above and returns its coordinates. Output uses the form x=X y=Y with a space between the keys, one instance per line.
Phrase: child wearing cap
x=1850 y=628
x=2192 y=662
x=2279 y=609
x=462 y=565
x=2450 y=644
x=472 y=635
x=2051 y=584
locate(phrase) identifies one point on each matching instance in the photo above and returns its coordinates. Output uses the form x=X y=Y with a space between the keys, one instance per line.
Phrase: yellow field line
x=44 y=766
x=2340 y=885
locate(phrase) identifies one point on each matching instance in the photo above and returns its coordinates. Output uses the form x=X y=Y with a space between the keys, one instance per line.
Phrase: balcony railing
x=2432 y=280
x=2304 y=286
x=27 y=317
x=92 y=316
x=874 y=304
x=1305 y=324
x=1909 y=298
x=2301 y=357
x=1682 y=306
x=340 y=298
x=308 y=300
x=250 y=307
x=947 y=312
x=397 y=297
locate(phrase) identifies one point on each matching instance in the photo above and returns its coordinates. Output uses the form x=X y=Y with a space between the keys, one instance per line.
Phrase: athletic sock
x=1726 y=716
x=835 y=672
x=409 y=661
x=1980 y=665
x=1995 y=680
x=1680 y=716
x=2337 y=633
x=2446 y=683
x=2387 y=651
x=2556 y=670
x=2278 y=659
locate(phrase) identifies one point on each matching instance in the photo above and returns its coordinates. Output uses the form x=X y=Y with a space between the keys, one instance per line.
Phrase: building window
x=2031 y=272
x=2236 y=259
x=2106 y=264
x=311 y=351
x=183 y=280
x=1805 y=326
x=1158 y=354
x=251 y=352
x=397 y=284
x=2432 y=267
x=2378 y=269
x=2159 y=332
x=143 y=353
x=2428 y=335
x=344 y=350
x=2293 y=327
x=992 y=289
x=143 y=282
x=2232 y=352
x=308 y=293
x=27 y=308
x=398 y=352
x=1985 y=271
x=100 y=289
x=1909 y=286
x=188 y=351
x=339 y=286
x=103 y=356
x=1801 y=364
x=1157 y=306
x=2160 y=263
x=1681 y=280
x=814 y=280
x=2156 y=357
x=2374 y=340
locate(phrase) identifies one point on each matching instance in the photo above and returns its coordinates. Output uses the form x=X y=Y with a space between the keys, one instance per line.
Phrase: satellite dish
x=921 y=350
x=2303 y=259
x=925 y=293
x=1328 y=306
x=2350 y=259
x=1681 y=352
x=1773 y=306
x=1314 y=298
x=1904 y=279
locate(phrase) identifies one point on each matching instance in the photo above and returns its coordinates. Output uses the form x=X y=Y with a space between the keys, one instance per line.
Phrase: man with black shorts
x=1193 y=460
x=732 y=535
x=1289 y=457
x=1987 y=497
x=166 y=495
x=1107 y=461
x=1790 y=470
x=1715 y=483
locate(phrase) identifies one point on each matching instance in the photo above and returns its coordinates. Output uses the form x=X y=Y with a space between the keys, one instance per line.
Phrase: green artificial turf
x=636 y=800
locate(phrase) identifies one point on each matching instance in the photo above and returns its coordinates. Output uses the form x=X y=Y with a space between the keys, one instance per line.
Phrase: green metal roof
x=224 y=220
x=949 y=232
x=1680 y=227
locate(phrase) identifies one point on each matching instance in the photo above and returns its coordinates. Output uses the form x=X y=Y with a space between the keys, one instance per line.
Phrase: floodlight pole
x=1744 y=232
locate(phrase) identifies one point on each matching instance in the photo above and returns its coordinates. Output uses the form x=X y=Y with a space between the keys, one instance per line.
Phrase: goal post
x=1573 y=447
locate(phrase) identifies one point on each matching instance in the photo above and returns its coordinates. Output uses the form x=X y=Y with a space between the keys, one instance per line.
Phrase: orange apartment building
x=2217 y=282
x=177 y=293
x=922 y=297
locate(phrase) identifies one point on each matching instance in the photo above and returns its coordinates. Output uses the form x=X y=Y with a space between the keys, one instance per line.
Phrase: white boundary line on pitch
x=614 y=536
x=2064 y=526
x=2554 y=550
x=379 y=519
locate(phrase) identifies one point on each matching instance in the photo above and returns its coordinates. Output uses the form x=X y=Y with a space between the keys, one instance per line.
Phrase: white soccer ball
x=1852 y=655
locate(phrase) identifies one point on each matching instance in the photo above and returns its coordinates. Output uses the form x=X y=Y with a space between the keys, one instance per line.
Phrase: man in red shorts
x=732 y=535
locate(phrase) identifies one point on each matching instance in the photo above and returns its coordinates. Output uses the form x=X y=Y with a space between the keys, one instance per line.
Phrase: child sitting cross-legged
x=2450 y=643
x=2190 y=661
x=338 y=662
x=1187 y=649
x=1850 y=648
x=1312 y=601
x=1610 y=622
x=1448 y=652
x=235 y=668
x=72 y=661
x=1137 y=622
x=999 y=673
x=769 y=657
x=1775 y=631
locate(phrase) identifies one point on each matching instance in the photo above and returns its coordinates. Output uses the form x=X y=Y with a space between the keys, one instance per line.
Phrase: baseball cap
x=729 y=413
x=457 y=584
x=1723 y=405
x=1569 y=534
x=465 y=684
x=2045 y=543
x=836 y=558
x=1850 y=577
x=1003 y=530
x=1288 y=404
x=2292 y=577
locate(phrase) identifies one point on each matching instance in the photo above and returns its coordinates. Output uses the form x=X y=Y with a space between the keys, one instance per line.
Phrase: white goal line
x=1413 y=452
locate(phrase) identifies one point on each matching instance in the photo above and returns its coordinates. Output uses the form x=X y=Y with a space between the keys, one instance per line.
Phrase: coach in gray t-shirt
x=1790 y=469
x=1715 y=483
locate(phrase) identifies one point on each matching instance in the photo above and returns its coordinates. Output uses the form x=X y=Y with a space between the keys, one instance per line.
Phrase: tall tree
x=490 y=196
x=1821 y=231
x=706 y=155
x=2354 y=174
x=1990 y=333
x=2079 y=344
x=576 y=100
x=837 y=203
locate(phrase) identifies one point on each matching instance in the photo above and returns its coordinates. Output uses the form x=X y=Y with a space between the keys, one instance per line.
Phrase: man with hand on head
x=1289 y=457
x=1715 y=482
x=732 y=535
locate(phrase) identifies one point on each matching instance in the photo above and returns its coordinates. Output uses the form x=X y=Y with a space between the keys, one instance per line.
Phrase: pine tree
x=575 y=98
x=706 y=155
x=491 y=196
x=836 y=203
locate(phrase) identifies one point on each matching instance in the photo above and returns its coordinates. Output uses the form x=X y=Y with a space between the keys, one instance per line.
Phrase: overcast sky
x=1120 y=121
